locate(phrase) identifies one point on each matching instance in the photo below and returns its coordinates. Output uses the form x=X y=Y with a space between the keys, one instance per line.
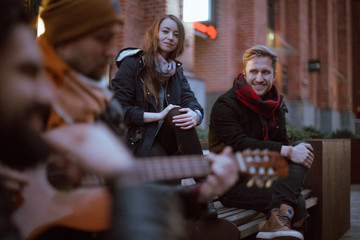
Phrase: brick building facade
x=325 y=33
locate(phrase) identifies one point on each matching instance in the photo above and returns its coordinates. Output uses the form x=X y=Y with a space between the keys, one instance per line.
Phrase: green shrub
x=294 y=133
x=313 y=132
x=305 y=133
x=344 y=133
x=202 y=133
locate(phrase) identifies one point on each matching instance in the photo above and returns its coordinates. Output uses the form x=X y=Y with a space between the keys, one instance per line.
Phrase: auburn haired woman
x=161 y=110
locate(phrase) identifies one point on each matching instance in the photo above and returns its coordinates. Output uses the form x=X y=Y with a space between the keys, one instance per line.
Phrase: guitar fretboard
x=261 y=165
x=167 y=168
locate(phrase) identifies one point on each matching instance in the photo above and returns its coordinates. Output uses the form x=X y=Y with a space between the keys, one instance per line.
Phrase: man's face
x=24 y=95
x=91 y=54
x=260 y=75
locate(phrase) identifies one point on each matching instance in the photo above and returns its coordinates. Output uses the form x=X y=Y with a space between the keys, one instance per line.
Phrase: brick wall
x=295 y=56
x=260 y=22
x=327 y=30
x=219 y=60
x=355 y=38
x=324 y=52
x=312 y=51
x=215 y=59
x=329 y=36
x=343 y=67
x=304 y=30
x=139 y=15
x=279 y=31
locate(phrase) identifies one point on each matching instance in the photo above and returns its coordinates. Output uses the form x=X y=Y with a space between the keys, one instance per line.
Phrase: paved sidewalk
x=354 y=232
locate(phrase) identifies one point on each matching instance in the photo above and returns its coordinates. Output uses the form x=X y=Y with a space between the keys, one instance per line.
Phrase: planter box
x=329 y=178
x=355 y=161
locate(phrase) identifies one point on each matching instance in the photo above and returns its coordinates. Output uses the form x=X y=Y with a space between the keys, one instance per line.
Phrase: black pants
x=172 y=140
x=286 y=190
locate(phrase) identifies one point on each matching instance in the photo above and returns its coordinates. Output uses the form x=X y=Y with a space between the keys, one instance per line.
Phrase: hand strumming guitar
x=96 y=149
x=93 y=147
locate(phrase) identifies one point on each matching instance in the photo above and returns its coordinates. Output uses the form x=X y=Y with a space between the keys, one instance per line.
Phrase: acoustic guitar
x=89 y=209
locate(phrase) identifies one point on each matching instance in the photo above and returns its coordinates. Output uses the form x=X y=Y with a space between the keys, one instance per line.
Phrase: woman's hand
x=187 y=120
x=154 y=116
x=164 y=112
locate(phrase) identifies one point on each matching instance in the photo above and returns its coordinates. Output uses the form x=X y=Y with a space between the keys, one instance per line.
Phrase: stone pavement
x=354 y=232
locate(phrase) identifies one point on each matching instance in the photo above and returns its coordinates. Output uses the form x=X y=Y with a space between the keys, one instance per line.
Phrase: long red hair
x=151 y=50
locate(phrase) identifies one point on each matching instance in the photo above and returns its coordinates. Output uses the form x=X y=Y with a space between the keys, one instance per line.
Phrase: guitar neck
x=167 y=168
x=253 y=163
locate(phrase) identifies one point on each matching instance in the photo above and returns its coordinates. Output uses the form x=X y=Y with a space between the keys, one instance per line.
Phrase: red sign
x=209 y=30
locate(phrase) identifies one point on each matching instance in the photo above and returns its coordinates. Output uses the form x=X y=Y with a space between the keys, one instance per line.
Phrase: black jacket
x=233 y=124
x=128 y=87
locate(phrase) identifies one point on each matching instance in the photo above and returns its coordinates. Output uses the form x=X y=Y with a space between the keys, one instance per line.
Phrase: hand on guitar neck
x=223 y=176
x=97 y=150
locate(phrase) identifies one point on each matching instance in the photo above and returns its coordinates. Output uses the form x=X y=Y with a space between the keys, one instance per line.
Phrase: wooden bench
x=234 y=223
x=248 y=222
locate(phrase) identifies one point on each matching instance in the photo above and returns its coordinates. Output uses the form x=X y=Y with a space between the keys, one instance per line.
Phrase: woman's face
x=168 y=37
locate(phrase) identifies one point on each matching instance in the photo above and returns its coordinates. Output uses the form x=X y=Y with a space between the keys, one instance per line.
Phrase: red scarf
x=265 y=107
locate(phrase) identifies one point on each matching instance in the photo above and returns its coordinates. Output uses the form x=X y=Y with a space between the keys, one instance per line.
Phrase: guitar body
x=85 y=209
x=211 y=229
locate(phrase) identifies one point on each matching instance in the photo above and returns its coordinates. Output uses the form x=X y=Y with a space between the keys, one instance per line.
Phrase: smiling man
x=251 y=115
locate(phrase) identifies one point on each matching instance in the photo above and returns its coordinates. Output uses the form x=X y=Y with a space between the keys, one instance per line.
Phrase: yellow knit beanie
x=68 y=19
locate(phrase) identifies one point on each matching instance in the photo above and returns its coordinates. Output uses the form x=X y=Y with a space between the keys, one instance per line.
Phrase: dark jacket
x=128 y=87
x=233 y=124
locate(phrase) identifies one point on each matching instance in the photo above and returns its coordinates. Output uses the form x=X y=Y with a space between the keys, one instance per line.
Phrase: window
x=203 y=11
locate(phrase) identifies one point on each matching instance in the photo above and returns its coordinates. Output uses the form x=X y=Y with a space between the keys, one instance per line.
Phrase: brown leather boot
x=300 y=226
x=278 y=225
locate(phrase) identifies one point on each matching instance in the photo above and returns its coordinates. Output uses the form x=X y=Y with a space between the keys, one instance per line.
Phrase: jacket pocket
x=134 y=138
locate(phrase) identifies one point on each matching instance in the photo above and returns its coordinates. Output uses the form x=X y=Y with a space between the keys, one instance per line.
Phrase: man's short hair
x=260 y=51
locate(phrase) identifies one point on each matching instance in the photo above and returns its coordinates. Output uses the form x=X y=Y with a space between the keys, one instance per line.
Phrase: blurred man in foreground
x=25 y=100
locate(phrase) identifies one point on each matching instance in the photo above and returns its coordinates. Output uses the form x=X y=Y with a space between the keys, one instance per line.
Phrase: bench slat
x=251 y=227
x=230 y=213
x=310 y=202
x=225 y=210
x=244 y=217
x=218 y=205
x=306 y=193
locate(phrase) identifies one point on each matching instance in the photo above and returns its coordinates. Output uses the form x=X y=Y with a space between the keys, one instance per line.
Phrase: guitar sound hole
x=62 y=177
